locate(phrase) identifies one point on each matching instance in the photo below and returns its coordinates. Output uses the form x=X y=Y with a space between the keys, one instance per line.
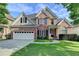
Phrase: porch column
x=49 y=32
x=36 y=34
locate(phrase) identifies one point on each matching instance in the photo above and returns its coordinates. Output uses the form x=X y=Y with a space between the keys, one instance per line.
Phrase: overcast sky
x=16 y=8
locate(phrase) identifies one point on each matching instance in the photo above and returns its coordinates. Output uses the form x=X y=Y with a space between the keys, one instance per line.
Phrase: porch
x=47 y=33
x=52 y=32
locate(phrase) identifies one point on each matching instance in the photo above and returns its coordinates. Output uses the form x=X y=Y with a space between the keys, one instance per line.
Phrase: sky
x=29 y=8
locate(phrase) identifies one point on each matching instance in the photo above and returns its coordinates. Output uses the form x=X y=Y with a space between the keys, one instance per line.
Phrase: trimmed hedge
x=71 y=37
x=8 y=36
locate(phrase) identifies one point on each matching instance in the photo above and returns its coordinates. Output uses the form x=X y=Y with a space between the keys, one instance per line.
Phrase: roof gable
x=47 y=12
x=16 y=22
x=65 y=22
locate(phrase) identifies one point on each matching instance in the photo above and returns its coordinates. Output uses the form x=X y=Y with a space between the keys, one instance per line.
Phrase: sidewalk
x=53 y=42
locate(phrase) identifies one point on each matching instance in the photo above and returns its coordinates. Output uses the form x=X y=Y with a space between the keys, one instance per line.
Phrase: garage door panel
x=21 y=35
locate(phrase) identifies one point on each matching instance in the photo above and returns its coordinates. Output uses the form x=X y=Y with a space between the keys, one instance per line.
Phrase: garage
x=23 y=35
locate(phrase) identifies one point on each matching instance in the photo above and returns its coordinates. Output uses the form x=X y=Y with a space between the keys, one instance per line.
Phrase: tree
x=3 y=11
x=74 y=11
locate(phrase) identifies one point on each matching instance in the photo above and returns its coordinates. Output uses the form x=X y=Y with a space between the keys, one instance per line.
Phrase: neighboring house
x=43 y=24
x=5 y=29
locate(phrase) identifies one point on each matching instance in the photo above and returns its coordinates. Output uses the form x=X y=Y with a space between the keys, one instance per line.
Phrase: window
x=41 y=33
x=24 y=32
x=64 y=31
x=21 y=20
x=25 y=19
x=1 y=29
x=45 y=21
x=19 y=32
x=38 y=21
x=42 y=21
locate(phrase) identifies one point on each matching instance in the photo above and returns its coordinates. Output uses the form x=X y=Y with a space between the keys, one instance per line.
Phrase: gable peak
x=46 y=8
x=23 y=13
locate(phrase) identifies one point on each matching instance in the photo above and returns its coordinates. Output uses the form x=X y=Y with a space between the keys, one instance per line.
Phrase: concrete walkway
x=53 y=42
x=7 y=47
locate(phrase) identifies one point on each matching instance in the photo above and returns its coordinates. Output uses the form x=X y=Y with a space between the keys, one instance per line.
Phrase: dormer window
x=45 y=21
x=21 y=20
x=25 y=19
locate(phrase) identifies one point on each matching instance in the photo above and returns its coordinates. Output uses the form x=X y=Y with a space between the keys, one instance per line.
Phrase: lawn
x=64 y=48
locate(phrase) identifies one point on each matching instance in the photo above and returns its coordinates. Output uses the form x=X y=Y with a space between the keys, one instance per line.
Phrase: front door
x=53 y=33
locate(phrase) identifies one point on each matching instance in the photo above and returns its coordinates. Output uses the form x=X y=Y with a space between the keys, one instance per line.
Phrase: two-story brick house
x=43 y=24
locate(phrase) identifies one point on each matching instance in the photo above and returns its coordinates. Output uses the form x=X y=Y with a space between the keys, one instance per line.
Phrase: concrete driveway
x=7 y=47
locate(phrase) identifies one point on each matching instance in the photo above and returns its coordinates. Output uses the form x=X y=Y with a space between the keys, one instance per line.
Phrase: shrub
x=42 y=37
x=8 y=36
x=77 y=38
x=71 y=37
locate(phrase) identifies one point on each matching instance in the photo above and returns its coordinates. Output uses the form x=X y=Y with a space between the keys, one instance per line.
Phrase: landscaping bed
x=43 y=40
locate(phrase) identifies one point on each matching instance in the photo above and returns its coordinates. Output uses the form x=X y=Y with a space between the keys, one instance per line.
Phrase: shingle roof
x=32 y=15
x=23 y=26
x=50 y=11
x=57 y=21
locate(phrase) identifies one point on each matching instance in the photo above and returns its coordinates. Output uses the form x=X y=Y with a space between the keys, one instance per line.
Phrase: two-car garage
x=23 y=35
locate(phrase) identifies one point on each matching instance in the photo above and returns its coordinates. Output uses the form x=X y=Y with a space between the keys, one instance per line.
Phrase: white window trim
x=42 y=33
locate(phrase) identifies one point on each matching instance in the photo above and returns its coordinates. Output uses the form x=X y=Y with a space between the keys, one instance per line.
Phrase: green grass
x=40 y=40
x=64 y=48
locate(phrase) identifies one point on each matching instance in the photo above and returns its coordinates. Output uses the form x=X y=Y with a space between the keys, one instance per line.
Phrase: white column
x=36 y=33
x=44 y=33
x=37 y=21
x=49 y=32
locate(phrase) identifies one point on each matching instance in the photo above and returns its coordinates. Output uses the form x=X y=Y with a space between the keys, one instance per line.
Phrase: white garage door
x=23 y=35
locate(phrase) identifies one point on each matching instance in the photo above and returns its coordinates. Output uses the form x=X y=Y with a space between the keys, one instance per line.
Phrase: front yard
x=64 y=48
